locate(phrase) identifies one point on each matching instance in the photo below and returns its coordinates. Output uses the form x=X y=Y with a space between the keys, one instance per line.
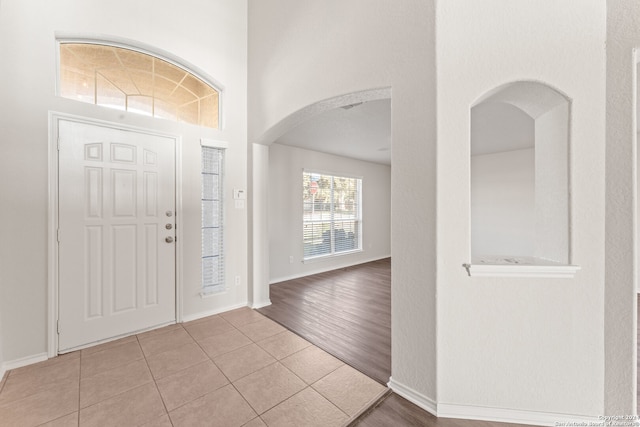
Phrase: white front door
x=116 y=201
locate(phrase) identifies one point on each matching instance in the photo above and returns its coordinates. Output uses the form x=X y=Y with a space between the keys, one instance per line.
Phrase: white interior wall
x=212 y=36
x=304 y=52
x=623 y=37
x=519 y=343
x=503 y=203
x=260 y=255
x=285 y=210
x=552 y=185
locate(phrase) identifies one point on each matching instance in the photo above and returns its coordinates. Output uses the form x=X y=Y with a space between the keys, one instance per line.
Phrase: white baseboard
x=23 y=361
x=196 y=316
x=323 y=270
x=261 y=304
x=481 y=413
x=446 y=410
x=413 y=396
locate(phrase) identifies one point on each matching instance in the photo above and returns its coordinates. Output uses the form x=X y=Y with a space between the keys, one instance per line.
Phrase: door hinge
x=58 y=144
x=58 y=235
x=58 y=327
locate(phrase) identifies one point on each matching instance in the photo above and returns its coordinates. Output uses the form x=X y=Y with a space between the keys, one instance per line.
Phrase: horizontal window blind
x=332 y=215
x=213 y=278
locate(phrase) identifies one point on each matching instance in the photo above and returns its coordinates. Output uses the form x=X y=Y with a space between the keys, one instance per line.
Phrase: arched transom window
x=129 y=80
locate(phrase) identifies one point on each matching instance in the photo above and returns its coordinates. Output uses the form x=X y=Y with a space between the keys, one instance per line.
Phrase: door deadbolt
x=168 y=226
x=169 y=213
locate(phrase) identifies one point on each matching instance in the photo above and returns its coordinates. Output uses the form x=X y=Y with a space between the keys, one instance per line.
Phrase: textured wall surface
x=27 y=90
x=534 y=345
x=503 y=203
x=623 y=37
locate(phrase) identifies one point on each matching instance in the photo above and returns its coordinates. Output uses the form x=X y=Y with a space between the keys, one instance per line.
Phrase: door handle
x=168 y=239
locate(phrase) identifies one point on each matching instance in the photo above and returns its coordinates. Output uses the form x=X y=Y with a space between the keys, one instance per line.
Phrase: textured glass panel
x=211 y=158
x=210 y=213
x=163 y=88
x=108 y=95
x=209 y=111
x=165 y=110
x=140 y=104
x=197 y=86
x=121 y=79
x=189 y=113
x=116 y=73
x=210 y=187
x=168 y=70
x=212 y=232
x=210 y=242
x=78 y=85
x=211 y=271
x=97 y=56
x=144 y=82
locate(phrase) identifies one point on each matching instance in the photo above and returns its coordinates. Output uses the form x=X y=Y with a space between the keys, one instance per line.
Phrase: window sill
x=520 y=267
x=213 y=293
x=326 y=257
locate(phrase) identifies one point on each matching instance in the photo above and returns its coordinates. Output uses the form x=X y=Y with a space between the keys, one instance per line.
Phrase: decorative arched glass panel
x=129 y=80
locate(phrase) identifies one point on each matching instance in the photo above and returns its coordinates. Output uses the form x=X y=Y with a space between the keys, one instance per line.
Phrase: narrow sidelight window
x=213 y=278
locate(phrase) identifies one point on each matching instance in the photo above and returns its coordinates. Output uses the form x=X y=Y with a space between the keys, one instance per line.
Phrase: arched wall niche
x=520 y=181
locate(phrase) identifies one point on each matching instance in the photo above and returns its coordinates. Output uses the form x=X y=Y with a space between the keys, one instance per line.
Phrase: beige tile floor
x=234 y=369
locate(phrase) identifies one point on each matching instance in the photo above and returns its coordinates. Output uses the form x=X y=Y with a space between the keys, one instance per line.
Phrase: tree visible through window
x=332 y=216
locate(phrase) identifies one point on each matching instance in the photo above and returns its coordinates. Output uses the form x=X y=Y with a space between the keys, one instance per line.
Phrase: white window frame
x=358 y=220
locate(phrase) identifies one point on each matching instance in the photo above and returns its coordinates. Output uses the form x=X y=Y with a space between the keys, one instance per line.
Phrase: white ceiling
x=361 y=132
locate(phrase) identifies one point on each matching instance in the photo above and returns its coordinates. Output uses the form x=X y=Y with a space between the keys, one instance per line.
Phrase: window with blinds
x=213 y=279
x=332 y=214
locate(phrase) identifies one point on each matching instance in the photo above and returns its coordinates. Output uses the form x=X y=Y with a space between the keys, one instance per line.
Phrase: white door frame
x=52 y=218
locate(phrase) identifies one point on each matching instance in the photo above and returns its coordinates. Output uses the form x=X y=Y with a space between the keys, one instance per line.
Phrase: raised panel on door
x=116 y=271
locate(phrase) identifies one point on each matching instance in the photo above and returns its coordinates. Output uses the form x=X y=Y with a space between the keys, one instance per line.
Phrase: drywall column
x=259 y=295
x=623 y=36
x=552 y=185
x=304 y=52
x=526 y=348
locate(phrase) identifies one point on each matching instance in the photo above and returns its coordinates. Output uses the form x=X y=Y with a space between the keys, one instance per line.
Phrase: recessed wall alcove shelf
x=520 y=205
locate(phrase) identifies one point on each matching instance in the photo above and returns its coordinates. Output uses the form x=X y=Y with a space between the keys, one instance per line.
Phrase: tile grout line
x=221 y=371
x=307 y=386
x=79 y=383
x=153 y=378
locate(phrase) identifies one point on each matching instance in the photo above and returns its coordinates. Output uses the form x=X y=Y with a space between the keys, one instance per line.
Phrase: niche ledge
x=520 y=267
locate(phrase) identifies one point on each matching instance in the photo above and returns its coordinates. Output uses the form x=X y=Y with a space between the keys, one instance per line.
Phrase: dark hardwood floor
x=346 y=312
